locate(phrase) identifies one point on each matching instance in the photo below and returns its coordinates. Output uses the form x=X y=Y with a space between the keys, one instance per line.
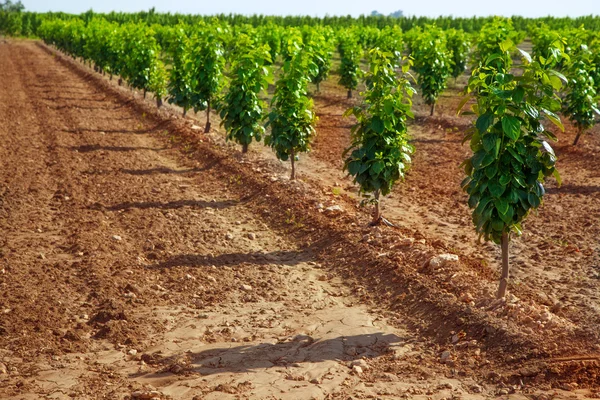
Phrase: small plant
x=292 y=119
x=351 y=53
x=242 y=110
x=380 y=152
x=511 y=155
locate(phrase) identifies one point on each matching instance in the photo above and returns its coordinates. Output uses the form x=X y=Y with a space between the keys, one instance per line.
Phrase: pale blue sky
x=527 y=8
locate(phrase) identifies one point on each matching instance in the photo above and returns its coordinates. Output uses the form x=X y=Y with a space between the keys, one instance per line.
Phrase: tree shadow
x=285 y=257
x=573 y=189
x=300 y=349
x=171 y=205
x=88 y=148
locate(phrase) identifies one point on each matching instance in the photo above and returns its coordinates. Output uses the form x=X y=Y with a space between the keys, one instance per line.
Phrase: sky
x=429 y=8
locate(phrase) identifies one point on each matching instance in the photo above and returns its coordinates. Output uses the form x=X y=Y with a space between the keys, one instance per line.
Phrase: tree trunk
x=432 y=109
x=245 y=148
x=159 y=102
x=318 y=87
x=207 y=127
x=184 y=111
x=120 y=81
x=145 y=91
x=110 y=78
x=349 y=93
x=293 y=159
x=579 y=132
x=504 y=277
x=377 y=210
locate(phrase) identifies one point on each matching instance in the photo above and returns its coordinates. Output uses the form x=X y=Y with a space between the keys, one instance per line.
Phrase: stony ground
x=142 y=259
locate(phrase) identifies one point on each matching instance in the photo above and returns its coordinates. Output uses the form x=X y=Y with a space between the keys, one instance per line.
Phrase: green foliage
x=321 y=48
x=180 y=73
x=432 y=63
x=140 y=51
x=580 y=104
x=205 y=67
x=380 y=152
x=459 y=45
x=242 y=111
x=492 y=34
x=350 y=53
x=292 y=118
x=511 y=156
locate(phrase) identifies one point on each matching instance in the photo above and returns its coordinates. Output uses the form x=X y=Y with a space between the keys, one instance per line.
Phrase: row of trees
x=511 y=154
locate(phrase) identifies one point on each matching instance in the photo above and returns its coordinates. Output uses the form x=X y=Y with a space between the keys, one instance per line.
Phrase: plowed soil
x=142 y=259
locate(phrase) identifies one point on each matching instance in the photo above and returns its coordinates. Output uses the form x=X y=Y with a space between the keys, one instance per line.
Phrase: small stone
x=132 y=352
x=333 y=210
x=251 y=236
x=228 y=236
x=502 y=392
x=238 y=222
x=116 y=237
x=315 y=381
x=133 y=288
x=196 y=127
x=320 y=206
x=246 y=288
x=361 y=363
x=466 y=297
x=189 y=277
x=443 y=260
x=211 y=278
x=406 y=242
x=357 y=370
x=3 y=369
x=445 y=356
x=476 y=389
x=274 y=179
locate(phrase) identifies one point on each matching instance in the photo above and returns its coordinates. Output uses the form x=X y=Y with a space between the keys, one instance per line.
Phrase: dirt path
x=128 y=270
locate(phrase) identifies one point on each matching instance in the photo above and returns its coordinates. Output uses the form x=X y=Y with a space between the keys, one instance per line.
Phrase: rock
x=406 y=242
x=334 y=210
x=251 y=236
x=476 y=389
x=274 y=179
x=466 y=297
x=246 y=288
x=320 y=206
x=189 y=277
x=445 y=356
x=133 y=288
x=502 y=392
x=132 y=352
x=361 y=363
x=145 y=395
x=3 y=369
x=315 y=381
x=443 y=260
x=357 y=370
x=117 y=238
x=196 y=127
x=228 y=236
x=211 y=278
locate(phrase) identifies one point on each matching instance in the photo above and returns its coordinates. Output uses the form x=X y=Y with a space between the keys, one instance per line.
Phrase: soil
x=140 y=258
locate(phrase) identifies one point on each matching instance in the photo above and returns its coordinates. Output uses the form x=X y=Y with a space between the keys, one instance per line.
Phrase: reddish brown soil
x=138 y=255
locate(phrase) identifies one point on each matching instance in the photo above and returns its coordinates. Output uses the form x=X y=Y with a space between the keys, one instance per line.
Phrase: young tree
x=458 y=44
x=321 y=49
x=350 y=53
x=432 y=64
x=180 y=75
x=207 y=64
x=157 y=83
x=511 y=156
x=380 y=152
x=292 y=118
x=580 y=103
x=242 y=110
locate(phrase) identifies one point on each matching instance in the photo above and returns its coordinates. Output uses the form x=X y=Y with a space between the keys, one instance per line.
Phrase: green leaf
x=501 y=206
x=511 y=126
x=484 y=122
x=496 y=189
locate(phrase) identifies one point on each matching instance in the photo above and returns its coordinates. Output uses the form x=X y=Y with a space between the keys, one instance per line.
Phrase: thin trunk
x=432 y=109
x=377 y=211
x=110 y=78
x=120 y=81
x=504 y=277
x=349 y=93
x=245 y=148
x=579 y=132
x=293 y=159
x=207 y=127
x=184 y=111
x=145 y=91
x=159 y=102
x=318 y=87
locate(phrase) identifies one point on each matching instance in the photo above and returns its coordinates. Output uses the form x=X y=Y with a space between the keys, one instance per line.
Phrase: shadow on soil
x=573 y=189
x=285 y=257
x=88 y=148
x=300 y=349
x=171 y=205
